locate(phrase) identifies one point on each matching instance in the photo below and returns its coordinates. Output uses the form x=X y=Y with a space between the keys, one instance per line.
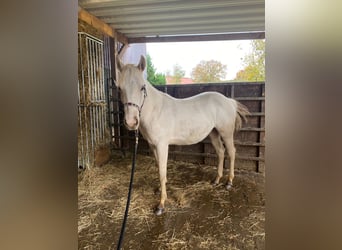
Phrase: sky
x=189 y=54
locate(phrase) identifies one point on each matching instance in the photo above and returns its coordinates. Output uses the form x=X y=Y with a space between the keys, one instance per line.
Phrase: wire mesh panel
x=92 y=106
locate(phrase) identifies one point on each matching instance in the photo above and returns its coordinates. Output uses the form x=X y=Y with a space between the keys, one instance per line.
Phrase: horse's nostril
x=131 y=123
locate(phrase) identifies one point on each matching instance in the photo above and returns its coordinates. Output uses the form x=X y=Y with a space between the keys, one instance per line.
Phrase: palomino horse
x=163 y=120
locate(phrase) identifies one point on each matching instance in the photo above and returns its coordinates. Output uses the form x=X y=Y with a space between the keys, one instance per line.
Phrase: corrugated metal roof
x=146 y=18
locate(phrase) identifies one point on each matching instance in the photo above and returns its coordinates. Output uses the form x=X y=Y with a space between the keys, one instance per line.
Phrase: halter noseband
x=143 y=88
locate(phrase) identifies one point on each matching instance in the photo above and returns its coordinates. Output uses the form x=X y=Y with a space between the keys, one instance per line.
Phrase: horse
x=164 y=120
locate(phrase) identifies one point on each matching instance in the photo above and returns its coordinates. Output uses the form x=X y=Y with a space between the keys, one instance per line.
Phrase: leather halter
x=143 y=88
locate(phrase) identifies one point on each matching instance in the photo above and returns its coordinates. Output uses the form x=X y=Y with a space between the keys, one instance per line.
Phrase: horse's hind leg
x=229 y=143
x=219 y=148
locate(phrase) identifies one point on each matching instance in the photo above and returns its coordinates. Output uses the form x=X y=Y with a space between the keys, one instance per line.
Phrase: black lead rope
x=129 y=191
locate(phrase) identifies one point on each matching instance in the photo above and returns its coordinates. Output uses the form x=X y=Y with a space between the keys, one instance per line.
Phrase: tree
x=178 y=73
x=209 y=71
x=254 y=62
x=152 y=76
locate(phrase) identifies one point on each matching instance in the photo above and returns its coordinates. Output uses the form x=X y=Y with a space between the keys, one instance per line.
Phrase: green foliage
x=178 y=73
x=153 y=77
x=254 y=63
x=209 y=71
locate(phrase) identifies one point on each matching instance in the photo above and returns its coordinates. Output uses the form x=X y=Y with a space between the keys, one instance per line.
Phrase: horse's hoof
x=159 y=211
x=229 y=186
x=213 y=183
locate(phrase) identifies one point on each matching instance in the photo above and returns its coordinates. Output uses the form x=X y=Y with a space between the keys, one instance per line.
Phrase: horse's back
x=211 y=107
x=213 y=101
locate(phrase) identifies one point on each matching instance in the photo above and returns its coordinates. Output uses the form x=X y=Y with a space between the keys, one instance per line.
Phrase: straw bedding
x=198 y=216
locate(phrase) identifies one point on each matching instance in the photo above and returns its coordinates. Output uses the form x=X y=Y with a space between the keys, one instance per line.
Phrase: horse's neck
x=152 y=104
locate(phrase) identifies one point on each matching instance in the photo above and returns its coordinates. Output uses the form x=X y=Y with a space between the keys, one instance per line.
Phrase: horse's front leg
x=162 y=153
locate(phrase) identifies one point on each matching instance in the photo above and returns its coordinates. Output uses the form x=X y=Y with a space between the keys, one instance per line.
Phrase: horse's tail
x=241 y=112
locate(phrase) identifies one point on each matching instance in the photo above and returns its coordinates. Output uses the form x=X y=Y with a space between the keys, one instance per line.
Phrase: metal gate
x=92 y=106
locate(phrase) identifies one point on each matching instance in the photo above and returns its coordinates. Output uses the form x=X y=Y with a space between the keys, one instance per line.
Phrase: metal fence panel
x=92 y=106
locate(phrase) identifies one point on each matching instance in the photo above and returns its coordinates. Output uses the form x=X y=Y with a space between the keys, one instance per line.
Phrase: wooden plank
x=193 y=38
x=256 y=114
x=238 y=157
x=240 y=143
x=100 y=25
x=253 y=129
x=250 y=98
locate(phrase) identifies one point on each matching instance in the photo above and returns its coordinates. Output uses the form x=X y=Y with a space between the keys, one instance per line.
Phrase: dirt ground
x=197 y=216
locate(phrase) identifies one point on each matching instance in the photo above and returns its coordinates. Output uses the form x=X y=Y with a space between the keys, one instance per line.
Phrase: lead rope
x=129 y=191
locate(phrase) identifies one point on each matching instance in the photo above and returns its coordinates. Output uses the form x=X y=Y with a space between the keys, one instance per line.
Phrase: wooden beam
x=95 y=22
x=100 y=25
x=194 y=38
x=122 y=51
x=121 y=37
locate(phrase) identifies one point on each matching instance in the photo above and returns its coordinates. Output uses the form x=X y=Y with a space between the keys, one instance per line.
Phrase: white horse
x=163 y=120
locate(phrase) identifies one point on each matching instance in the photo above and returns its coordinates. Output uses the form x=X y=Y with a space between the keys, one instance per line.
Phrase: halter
x=143 y=88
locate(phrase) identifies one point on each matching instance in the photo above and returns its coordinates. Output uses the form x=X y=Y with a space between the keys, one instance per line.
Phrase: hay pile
x=198 y=216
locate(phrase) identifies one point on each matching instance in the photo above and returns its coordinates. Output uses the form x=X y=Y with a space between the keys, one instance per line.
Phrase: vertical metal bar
x=96 y=129
x=110 y=53
x=89 y=70
x=98 y=124
x=99 y=83
x=82 y=82
x=102 y=72
x=108 y=84
x=101 y=68
x=90 y=91
x=104 y=123
x=99 y=90
x=80 y=140
x=99 y=75
x=103 y=113
x=80 y=127
x=86 y=155
x=96 y=71
x=93 y=62
x=93 y=65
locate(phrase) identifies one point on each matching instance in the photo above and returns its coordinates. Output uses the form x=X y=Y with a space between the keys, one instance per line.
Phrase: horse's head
x=133 y=91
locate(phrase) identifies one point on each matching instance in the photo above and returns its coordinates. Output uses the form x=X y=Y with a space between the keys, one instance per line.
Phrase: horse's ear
x=142 y=63
x=119 y=64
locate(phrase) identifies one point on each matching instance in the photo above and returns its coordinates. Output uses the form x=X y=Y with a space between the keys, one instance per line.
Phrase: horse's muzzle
x=132 y=124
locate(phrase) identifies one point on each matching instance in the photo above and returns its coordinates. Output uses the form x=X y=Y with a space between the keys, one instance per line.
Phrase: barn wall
x=249 y=141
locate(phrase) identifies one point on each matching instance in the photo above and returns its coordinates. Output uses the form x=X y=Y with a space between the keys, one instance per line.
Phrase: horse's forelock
x=130 y=71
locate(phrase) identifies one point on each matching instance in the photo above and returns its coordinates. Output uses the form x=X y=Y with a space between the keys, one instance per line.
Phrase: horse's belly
x=190 y=136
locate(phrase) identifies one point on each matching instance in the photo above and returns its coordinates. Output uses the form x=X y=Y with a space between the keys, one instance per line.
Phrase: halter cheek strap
x=136 y=105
